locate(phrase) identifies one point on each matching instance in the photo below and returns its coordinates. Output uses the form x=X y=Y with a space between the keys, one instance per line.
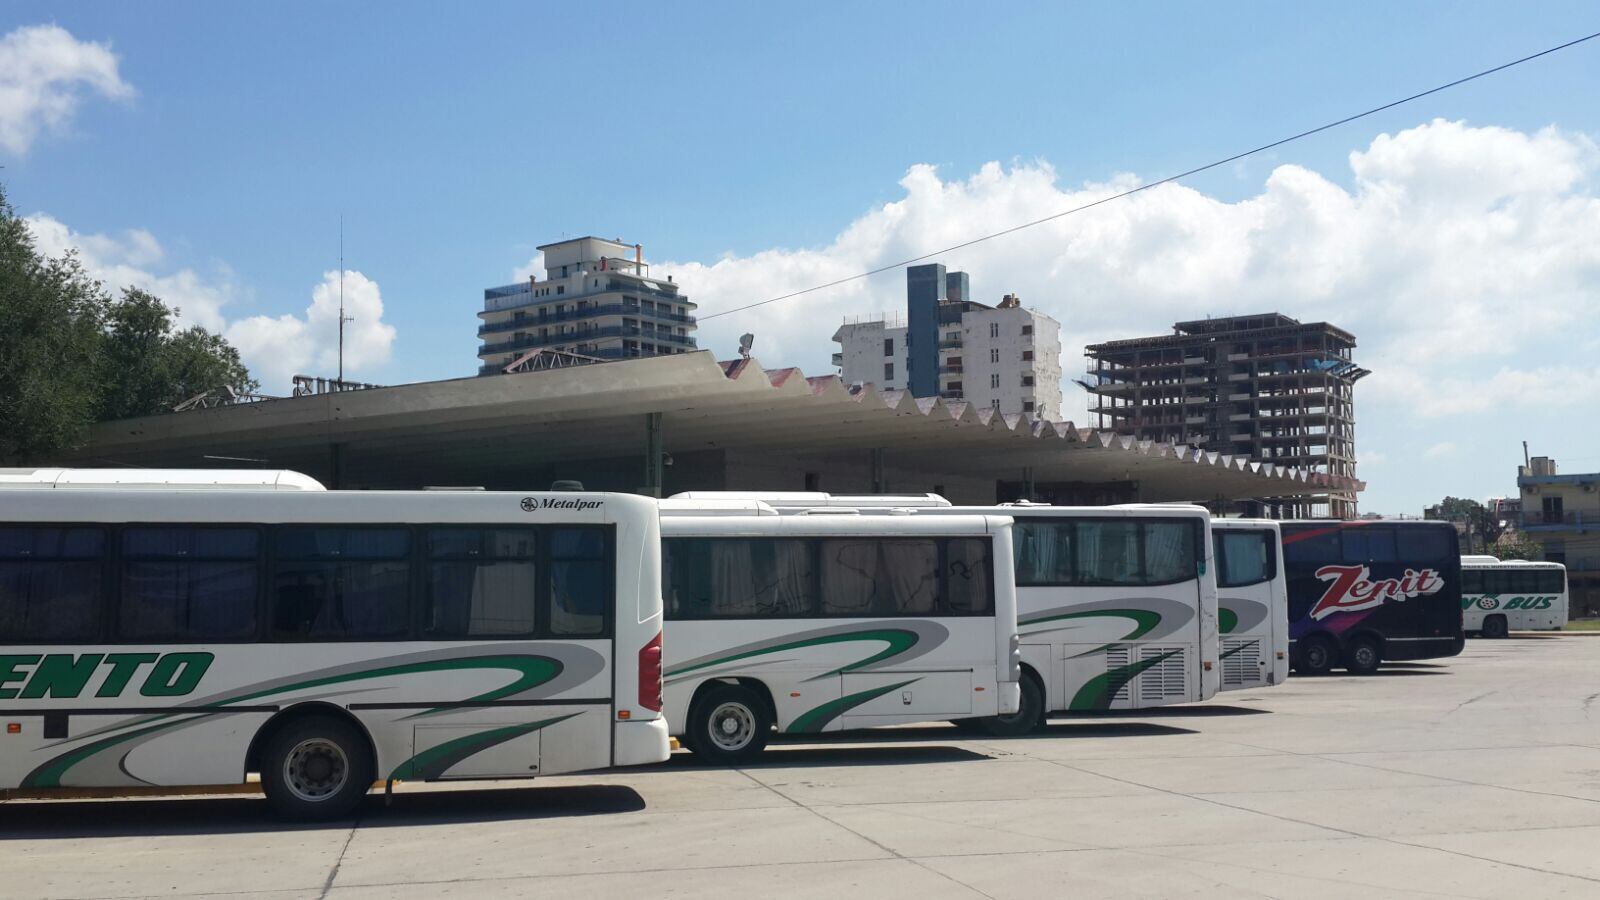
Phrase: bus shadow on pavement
x=69 y=819
x=787 y=756
x=1170 y=712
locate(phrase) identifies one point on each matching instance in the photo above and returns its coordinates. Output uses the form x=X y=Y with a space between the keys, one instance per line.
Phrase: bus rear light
x=624 y=713
x=979 y=688
x=650 y=674
x=13 y=728
x=1206 y=665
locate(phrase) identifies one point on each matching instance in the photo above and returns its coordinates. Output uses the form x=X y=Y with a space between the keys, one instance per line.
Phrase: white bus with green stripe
x=1116 y=605
x=169 y=629
x=1501 y=596
x=1252 y=603
x=820 y=623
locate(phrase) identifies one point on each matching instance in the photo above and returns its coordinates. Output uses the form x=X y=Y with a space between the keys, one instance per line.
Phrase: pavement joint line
x=338 y=861
x=889 y=850
x=1377 y=837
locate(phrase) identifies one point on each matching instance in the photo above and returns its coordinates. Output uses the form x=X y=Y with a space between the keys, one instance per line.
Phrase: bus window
x=1108 y=553
x=185 y=584
x=1369 y=544
x=1043 y=552
x=348 y=584
x=1551 y=581
x=1311 y=547
x=1471 y=581
x=51 y=583
x=481 y=582
x=879 y=577
x=1426 y=545
x=1168 y=552
x=738 y=578
x=1245 y=558
x=968 y=573
x=580 y=582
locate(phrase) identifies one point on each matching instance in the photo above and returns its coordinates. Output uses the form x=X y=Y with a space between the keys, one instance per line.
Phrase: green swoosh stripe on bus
x=1098 y=691
x=1143 y=619
x=1239 y=649
x=817 y=719
x=1227 y=620
x=49 y=774
x=898 y=640
x=435 y=761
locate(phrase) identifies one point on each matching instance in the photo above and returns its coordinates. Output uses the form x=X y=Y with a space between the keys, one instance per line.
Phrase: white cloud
x=274 y=347
x=44 y=73
x=1440 y=450
x=1454 y=246
x=280 y=347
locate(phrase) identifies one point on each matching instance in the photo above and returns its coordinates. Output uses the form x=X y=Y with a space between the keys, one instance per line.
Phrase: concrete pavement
x=1472 y=777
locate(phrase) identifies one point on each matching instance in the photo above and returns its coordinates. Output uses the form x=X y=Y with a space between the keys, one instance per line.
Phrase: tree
x=1515 y=545
x=71 y=356
x=50 y=321
x=1480 y=523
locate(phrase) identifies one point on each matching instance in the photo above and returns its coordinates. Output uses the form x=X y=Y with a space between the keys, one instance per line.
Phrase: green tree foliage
x=1514 y=545
x=1477 y=517
x=70 y=355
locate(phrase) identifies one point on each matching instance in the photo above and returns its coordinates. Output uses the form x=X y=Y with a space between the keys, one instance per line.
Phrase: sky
x=210 y=152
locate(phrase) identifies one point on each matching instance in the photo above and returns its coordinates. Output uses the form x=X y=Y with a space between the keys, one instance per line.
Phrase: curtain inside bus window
x=185 y=584
x=580 y=582
x=759 y=578
x=1244 y=557
x=879 y=577
x=1108 y=552
x=482 y=582
x=1043 y=552
x=354 y=585
x=967 y=576
x=51 y=584
x=1168 y=552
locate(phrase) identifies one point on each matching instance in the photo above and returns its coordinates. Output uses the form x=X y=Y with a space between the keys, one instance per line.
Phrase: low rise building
x=1561 y=513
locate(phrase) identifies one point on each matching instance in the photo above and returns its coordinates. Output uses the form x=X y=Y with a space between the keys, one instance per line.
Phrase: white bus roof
x=1244 y=523
x=820 y=499
x=686 y=525
x=675 y=506
x=1483 y=561
x=165 y=479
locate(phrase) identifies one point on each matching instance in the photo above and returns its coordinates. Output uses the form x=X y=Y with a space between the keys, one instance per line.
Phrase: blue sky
x=452 y=142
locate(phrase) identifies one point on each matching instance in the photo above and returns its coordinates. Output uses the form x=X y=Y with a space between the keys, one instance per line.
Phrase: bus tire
x=1362 y=656
x=316 y=768
x=1317 y=655
x=1028 y=717
x=728 y=725
x=1495 y=627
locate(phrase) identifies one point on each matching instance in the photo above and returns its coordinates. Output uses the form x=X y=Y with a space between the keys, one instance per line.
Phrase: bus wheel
x=1495 y=627
x=316 y=768
x=1317 y=656
x=1029 y=714
x=729 y=725
x=1361 y=656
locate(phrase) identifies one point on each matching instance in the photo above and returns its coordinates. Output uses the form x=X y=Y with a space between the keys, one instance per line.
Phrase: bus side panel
x=798 y=661
x=1115 y=651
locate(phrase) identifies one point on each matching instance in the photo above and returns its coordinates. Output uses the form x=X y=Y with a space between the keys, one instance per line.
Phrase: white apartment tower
x=1005 y=356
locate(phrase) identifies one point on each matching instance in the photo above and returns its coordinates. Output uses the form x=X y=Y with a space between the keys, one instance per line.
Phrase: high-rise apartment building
x=597 y=299
x=1004 y=356
x=1264 y=387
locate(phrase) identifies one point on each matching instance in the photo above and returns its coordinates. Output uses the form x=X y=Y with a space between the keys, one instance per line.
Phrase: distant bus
x=1252 y=603
x=1116 y=606
x=821 y=623
x=1501 y=596
x=163 y=629
x=1364 y=592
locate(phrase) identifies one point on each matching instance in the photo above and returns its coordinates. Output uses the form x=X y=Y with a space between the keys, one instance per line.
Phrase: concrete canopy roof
x=445 y=431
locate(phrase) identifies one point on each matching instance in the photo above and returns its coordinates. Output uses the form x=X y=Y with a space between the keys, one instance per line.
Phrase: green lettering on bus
x=9 y=673
x=123 y=665
x=176 y=674
x=61 y=675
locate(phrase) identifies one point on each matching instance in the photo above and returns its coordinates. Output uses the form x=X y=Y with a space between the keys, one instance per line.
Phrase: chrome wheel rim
x=315 y=770
x=733 y=726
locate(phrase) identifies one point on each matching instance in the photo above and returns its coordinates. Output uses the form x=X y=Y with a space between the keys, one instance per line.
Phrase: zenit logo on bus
x=1352 y=588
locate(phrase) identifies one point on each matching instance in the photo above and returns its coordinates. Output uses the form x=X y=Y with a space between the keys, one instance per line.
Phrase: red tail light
x=650 y=674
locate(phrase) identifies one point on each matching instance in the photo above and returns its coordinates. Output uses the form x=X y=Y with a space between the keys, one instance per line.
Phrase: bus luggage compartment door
x=441 y=752
x=898 y=694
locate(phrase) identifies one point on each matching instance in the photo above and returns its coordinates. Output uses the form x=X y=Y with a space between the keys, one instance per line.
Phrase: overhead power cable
x=1145 y=187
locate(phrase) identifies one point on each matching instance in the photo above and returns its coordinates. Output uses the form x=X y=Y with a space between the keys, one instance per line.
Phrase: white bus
x=815 y=623
x=1252 y=603
x=1116 y=606
x=183 y=631
x=1501 y=596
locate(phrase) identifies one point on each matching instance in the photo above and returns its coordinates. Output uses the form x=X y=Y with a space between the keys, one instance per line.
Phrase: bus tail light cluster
x=650 y=674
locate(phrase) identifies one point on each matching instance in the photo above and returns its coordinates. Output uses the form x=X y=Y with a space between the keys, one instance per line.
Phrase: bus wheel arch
x=1316 y=653
x=1495 y=626
x=748 y=705
x=1031 y=712
x=323 y=745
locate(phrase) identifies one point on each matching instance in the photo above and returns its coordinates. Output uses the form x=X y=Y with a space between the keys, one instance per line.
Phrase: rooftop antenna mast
x=342 y=317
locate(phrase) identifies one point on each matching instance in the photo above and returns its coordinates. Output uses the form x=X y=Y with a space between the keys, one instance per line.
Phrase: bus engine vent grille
x=1166 y=678
x=1241 y=661
x=1118 y=658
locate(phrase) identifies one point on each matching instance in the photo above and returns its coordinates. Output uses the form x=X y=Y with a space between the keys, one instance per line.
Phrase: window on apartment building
x=888 y=346
x=994 y=354
x=1027 y=330
x=952 y=335
x=954 y=386
x=888 y=371
x=1553 y=510
x=994 y=380
x=1027 y=381
x=994 y=329
x=1027 y=356
x=519 y=315
x=1027 y=406
x=561 y=289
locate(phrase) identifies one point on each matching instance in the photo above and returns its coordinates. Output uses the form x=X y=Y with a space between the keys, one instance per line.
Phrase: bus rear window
x=1244 y=558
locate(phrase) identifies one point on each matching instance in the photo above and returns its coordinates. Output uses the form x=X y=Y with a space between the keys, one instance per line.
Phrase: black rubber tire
x=967 y=726
x=721 y=705
x=1362 y=656
x=1316 y=655
x=1495 y=627
x=1029 y=715
x=357 y=769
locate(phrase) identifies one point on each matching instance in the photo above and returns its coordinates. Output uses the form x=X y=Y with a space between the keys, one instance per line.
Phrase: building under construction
x=1264 y=387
